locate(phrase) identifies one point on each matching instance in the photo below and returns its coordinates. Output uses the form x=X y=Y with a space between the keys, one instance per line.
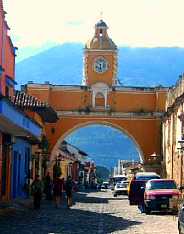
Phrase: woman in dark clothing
x=37 y=190
x=69 y=190
x=48 y=188
x=58 y=188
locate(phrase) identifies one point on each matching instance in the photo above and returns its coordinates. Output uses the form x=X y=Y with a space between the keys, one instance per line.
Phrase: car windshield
x=161 y=185
x=119 y=179
x=121 y=185
x=147 y=177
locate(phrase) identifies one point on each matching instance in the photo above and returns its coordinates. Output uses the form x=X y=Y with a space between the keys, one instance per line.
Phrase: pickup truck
x=157 y=194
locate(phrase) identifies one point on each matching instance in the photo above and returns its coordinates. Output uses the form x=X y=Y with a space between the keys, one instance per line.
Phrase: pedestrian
x=69 y=185
x=48 y=188
x=58 y=184
x=28 y=181
x=47 y=178
x=37 y=191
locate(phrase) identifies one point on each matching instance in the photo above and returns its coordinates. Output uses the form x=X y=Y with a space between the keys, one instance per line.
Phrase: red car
x=157 y=194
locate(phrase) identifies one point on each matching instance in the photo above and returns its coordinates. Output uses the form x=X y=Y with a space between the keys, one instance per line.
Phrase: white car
x=105 y=185
x=120 y=189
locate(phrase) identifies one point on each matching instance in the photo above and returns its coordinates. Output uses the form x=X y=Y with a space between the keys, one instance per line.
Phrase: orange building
x=17 y=130
x=135 y=111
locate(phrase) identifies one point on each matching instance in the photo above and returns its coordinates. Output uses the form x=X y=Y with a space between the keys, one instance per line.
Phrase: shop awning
x=15 y=122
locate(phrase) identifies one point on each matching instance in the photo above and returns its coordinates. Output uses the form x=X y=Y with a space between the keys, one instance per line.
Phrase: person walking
x=37 y=191
x=27 y=186
x=58 y=184
x=69 y=185
x=48 y=188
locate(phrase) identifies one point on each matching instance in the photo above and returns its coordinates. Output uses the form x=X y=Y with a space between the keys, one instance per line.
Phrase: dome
x=101 y=39
x=102 y=43
x=100 y=24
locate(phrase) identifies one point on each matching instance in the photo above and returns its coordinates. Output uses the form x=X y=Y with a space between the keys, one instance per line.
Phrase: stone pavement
x=95 y=212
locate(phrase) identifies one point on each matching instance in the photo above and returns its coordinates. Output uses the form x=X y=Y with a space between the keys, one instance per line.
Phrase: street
x=92 y=212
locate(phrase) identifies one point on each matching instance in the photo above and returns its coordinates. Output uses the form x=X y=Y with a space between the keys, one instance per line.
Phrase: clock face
x=100 y=64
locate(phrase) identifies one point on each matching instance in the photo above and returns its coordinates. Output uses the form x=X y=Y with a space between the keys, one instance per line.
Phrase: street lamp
x=154 y=156
x=70 y=164
x=181 y=143
x=57 y=166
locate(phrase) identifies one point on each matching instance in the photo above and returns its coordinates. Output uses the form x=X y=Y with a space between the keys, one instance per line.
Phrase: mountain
x=28 y=51
x=143 y=66
x=59 y=65
x=102 y=174
x=104 y=145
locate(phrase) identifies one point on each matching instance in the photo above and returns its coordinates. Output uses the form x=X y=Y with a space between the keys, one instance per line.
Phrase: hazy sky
x=131 y=22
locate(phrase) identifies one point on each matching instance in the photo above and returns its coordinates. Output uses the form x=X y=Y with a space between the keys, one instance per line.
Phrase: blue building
x=17 y=134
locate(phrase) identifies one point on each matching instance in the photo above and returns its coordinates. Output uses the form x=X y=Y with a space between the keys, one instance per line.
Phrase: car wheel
x=147 y=210
x=115 y=195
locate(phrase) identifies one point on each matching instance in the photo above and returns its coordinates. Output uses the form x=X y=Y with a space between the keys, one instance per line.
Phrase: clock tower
x=100 y=58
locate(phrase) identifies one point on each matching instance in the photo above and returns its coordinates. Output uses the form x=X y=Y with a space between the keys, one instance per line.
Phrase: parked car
x=157 y=194
x=146 y=176
x=111 y=187
x=105 y=185
x=135 y=188
x=118 y=178
x=120 y=189
x=136 y=193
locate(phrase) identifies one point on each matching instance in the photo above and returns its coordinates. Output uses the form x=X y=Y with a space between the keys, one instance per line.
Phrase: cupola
x=101 y=39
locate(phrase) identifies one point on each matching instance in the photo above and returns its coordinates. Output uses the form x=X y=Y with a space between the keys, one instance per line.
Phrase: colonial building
x=17 y=130
x=71 y=161
x=173 y=133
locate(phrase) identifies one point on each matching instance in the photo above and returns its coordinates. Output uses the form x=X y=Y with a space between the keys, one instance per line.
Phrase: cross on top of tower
x=101 y=13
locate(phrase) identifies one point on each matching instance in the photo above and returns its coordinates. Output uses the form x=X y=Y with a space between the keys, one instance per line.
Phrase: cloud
x=74 y=22
x=131 y=22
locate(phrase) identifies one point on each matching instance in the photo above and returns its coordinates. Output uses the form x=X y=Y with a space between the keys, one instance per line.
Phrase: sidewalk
x=15 y=204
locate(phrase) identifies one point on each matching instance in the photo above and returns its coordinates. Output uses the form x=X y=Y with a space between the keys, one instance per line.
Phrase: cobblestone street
x=92 y=212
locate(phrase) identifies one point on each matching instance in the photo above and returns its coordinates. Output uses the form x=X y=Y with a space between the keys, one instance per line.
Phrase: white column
x=105 y=96
x=94 y=95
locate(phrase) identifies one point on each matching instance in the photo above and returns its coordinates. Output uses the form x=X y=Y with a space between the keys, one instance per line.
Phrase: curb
x=6 y=210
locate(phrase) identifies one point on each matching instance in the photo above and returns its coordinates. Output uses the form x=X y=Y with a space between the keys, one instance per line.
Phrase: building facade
x=173 y=133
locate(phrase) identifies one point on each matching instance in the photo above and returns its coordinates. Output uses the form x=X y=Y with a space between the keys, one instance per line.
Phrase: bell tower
x=100 y=58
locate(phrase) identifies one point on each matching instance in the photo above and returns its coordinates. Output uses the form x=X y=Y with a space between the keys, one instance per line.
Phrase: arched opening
x=99 y=99
x=125 y=135
x=103 y=153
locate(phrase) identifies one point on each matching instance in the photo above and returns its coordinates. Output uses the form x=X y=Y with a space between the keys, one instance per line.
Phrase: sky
x=134 y=23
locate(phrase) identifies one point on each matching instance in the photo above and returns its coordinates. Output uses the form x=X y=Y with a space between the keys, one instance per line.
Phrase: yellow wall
x=145 y=130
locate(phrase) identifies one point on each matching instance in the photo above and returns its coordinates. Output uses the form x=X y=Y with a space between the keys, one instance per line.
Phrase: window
x=7 y=92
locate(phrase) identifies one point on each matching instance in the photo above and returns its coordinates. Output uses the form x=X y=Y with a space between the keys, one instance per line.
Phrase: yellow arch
x=55 y=148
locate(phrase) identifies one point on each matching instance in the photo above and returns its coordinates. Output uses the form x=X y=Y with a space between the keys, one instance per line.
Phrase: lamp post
x=181 y=143
x=70 y=169
x=57 y=165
